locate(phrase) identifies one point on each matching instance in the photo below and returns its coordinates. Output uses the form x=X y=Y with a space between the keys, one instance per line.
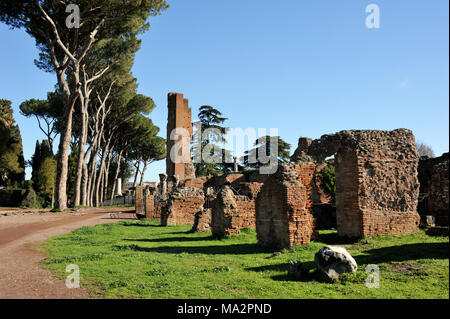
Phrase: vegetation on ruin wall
x=145 y=260
x=328 y=177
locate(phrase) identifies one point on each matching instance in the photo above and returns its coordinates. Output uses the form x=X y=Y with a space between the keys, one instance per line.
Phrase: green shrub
x=328 y=177
x=30 y=199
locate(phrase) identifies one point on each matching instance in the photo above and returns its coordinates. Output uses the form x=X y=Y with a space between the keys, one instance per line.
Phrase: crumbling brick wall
x=159 y=205
x=150 y=212
x=251 y=190
x=182 y=205
x=179 y=116
x=139 y=201
x=283 y=206
x=434 y=189
x=377 y=187
x=198 y=182
x=233 y=179
x=202 y=221
x=324 y=202
x=231 y=213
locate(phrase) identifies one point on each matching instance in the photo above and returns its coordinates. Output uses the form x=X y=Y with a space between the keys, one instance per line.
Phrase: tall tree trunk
x=102 y=167
x=116 y=175
x=81 y=152
x=143 y=173
x=93 y=176
x=102 y=185
x=62 y=167
x=108 y=163
x=137 y=172
x=85 y=178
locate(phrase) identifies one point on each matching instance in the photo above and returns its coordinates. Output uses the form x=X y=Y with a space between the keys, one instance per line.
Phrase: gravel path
x=21 y=232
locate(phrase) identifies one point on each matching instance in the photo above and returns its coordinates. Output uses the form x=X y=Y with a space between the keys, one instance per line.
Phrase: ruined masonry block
x=139 y=202
x=182 y=205
x=179 y=116
x=284 y=206
x=377 y=188
x=231 y=213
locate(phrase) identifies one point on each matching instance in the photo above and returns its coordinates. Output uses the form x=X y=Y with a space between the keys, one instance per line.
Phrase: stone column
x=163 y=183
x=118 y=191
x=236 y=168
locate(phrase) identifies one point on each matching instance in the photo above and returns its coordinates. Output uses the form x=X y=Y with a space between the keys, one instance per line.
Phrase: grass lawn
x=145 y=260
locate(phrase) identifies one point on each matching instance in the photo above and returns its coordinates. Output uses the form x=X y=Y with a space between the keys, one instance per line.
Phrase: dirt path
x=21 y=274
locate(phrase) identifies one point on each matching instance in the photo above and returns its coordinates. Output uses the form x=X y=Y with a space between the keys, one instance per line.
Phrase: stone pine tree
x=47 y=113
x=108 y=65
x=262 y=148
x=12 y=163
x=63 y=49
x=208 y=141
x=43 y=164
x=146 y=149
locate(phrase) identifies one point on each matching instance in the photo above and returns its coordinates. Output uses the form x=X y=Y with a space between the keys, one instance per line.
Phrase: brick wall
x=202 y=221
x=140 y=205
x=150 y=207
x=182 y=205
x=198 y=182
x=377 y=187
x=434 y=188
x=283 y=206
x=231 y=213
x=179 y=116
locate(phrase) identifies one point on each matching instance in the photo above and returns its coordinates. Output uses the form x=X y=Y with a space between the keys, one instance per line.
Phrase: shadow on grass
x=310 y=267
x=141 y=225
x=334 y=239
x=239 y=249
x=313 y=275
x=404 y=253
x=172 y=239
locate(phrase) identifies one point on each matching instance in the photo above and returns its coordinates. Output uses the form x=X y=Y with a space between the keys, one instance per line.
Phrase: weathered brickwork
x=434 y=189
x=251 y=190
x=377 y=188
x=283 y=206
x=198 y=182
x=231 y=213
x=202 y=221
x=179 y=117
x=182 y=205
x=139 y=202
x=319 y=195
x=150 y=212
x=233 y=179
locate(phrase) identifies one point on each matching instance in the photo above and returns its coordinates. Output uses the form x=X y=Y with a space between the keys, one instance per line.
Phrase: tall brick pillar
x=179 y=117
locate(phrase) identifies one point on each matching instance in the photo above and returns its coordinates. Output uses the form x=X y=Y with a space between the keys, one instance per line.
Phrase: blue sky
x=305 y=67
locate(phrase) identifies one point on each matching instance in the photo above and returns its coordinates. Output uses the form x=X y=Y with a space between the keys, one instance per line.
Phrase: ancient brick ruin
x=231 y=213
x=377 y=189
x=283 y=207
x=182 y=205
x=180 y=118
x=434 y=185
